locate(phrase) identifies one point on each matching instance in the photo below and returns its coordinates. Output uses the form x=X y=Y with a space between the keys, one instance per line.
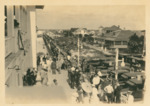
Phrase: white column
x=33 y=37
x=10 y=26
x=78 y=51
x=10 y=20
x=28 y=25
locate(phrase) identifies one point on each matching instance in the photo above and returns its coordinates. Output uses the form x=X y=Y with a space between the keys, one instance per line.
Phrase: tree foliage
x=136 y=44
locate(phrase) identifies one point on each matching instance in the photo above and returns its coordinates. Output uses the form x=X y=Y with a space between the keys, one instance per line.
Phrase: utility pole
x=78 y=51
x=116 y=67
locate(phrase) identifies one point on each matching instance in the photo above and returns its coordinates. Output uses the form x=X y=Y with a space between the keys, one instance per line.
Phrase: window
x=117 y=42
x=125 y=43
x=14 y=11
x=5 y=10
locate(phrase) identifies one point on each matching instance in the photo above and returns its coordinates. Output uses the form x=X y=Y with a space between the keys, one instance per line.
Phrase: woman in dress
x=94 y=98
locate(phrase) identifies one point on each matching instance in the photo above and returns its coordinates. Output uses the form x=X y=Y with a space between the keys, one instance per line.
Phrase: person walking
x=38 y=60
x=53 y=66
x=94 y=98
x=80 y=94
x=48 y=61
x=72 y=77
x=109 y=91
x=117 y=93
x=96 y=81
x=59 y=64
x=77 y=78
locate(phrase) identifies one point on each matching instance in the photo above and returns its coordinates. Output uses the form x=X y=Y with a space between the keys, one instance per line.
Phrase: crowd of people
x=89 y=85
x=29 y=78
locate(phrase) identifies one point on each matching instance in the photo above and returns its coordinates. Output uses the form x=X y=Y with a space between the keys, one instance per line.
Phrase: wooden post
x=78 y=51
x=116 y=76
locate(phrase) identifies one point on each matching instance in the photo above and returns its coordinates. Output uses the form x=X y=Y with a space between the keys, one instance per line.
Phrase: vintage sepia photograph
x=75 y=54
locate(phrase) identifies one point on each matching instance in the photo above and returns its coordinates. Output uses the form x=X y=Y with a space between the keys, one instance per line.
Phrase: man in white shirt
x=109 y=91
x=49 y=61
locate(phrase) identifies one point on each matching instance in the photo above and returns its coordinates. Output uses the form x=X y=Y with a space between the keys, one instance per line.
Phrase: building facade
x=20 y=42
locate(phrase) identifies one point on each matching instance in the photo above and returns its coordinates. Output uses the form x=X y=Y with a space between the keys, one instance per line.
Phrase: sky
x=91 y=17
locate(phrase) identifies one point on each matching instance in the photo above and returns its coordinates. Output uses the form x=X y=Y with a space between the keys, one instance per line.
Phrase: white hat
x=24 y=73
x=72 y=69
x=99 y=73
x=77 y=70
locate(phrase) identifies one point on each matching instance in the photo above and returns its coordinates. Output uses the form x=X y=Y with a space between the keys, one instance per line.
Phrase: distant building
x=117 y=39
x=79 y=31
x=104 y=30
x=100 y=30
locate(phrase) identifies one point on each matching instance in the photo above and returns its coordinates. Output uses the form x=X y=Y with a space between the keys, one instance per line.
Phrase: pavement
x=40 y=94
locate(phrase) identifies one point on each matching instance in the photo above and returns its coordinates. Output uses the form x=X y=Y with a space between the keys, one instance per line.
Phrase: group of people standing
x=49 y=65
x=29 y=78
x=89 y=89
x=102 y=89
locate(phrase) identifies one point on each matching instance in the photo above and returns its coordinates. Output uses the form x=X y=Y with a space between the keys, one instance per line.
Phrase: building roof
x=120 y=35
x=80 y=31
x=113 y=28
x=139 y=32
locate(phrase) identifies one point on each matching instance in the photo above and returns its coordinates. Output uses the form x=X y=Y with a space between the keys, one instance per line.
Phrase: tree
x=135 y=44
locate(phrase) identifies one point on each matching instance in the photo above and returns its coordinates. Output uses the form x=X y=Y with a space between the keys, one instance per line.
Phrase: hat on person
x=72 y=69
x=99 y=73
x=129 y=92
x=77 y=70
x=24 y=73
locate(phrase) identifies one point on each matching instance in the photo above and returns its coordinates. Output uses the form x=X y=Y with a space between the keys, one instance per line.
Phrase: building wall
x=26 y=58
x=116 y=44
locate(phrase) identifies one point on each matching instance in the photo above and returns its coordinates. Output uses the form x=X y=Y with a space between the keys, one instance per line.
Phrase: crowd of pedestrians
x=106 y=90
x=89 y=85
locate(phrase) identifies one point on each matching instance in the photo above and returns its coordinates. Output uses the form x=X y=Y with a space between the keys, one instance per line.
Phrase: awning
x=130 y=83
x=124 y=76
